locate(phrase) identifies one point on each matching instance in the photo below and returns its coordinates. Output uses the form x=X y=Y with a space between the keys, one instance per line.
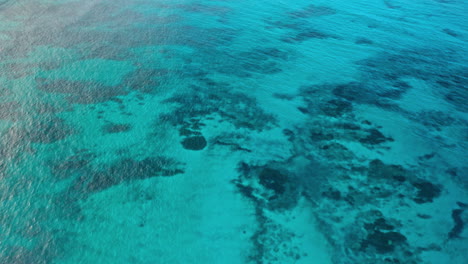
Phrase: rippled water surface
x=185 y=131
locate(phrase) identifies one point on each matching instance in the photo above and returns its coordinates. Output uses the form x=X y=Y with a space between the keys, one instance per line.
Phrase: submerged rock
x=194 y=143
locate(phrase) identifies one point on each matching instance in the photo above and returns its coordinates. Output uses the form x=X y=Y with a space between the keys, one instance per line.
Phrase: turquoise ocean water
x=196 y=131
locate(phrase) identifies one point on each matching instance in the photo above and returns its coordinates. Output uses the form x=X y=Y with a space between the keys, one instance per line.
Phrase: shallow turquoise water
x=233 y=131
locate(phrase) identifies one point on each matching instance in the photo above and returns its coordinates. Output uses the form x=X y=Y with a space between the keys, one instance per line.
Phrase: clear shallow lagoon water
x=158 y=131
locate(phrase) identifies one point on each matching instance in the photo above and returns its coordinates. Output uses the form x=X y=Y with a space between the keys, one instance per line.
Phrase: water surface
x=156 y=131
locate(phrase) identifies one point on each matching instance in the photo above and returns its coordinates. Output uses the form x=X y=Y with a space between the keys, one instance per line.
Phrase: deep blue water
x=156 y=131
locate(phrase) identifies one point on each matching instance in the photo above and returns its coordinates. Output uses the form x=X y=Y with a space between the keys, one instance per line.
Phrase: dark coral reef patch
x=374 y=137
x=313 y=11
x=336 y=107
x=277 y=186
x=273 y=180
x=125 y=170
x=48 y=130
x=116 y=128
x=383 y=242
x=71 y=165
x=427 y=191
x=81 y=92
x=380 y=170
x=218 y=99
